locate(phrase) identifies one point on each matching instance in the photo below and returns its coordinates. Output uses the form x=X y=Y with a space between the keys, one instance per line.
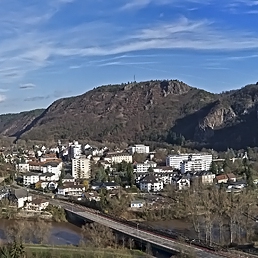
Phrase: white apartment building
x=200 y=161
x=22 y=167
x=30 y=178
x=192 y=165
x=144 y=167
x=119 y=157
x=75 y=150
x=81 y=167
x=54 y=168
x=140 y=148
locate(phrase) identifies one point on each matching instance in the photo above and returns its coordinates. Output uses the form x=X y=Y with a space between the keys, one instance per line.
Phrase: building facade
x=81 y=168
x=140 y=148
x=189 y=161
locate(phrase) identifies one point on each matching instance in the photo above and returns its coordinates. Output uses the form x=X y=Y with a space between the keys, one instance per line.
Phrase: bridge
x=135 y=232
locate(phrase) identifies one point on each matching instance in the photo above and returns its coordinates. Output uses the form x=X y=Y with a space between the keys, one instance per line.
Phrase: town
x=83 y=171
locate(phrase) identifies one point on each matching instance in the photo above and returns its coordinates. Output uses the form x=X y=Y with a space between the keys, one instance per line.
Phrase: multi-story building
x=22 y=167
x=150 y=184
x=75 y=150
x=144 y=167
x=187 y=162
x=140 y=148
x=81 y=167
x=119 y=157
x=30 y=178
x=54 y=167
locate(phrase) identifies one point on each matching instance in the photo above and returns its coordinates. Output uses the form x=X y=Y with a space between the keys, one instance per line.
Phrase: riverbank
x=48 y=251
x=58 y=233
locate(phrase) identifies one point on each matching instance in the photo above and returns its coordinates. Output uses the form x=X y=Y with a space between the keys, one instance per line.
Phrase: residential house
x=110 y=186
x=137 y=204
x=140 y=148
x=47 y=177
x=96 y=186
x=54 y=167
x=30 y=178
x=71 y=189
x=38 y=204
x=68 y=178
x=221 y=179
x=183 y=183
x=22 y=167
x=150 y=184
x=204 y=177
x=92 y=196
x=20 y=197
x=163 y=169
x=231 y=177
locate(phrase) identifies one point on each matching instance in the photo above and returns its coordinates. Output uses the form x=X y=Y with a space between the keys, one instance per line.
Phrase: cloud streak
x=27 y=86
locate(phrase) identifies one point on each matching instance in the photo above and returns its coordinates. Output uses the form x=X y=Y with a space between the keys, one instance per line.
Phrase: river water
x=61 y=233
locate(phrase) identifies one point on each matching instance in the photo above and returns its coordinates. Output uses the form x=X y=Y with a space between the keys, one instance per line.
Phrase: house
x=22 y=167
x=96 y=186
x=47 y=177
x=68 y=178
x=150 y=184
x=137 y=204
x=30 y=178
x=110 y=186
x=20 y=196
x=183 y=183
x=140 y=148
x=54 y=167
x=38 y=204
x=231 y=177
x=221 y=179
x=205 y=177
x=71 y=189
x=92 y=196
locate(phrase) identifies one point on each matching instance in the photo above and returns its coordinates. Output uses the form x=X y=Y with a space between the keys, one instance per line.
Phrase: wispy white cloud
x=126 y=63
x=27 y=86
x=26 y=45
x=139 y=4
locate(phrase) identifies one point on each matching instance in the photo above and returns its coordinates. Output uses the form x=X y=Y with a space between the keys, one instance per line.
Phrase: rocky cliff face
x=219 y=116
x=156 y=111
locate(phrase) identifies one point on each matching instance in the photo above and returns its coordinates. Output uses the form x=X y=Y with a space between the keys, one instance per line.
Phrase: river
x=61 y=233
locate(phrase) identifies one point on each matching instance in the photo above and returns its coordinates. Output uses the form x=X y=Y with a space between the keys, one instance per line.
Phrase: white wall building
x=53 y=167
x=140 y=148
x=22 y=167
x=150 y=184
x=119 y=157
x=81 y=167
x=202 y=161
x=30 y=178
x=144 y=167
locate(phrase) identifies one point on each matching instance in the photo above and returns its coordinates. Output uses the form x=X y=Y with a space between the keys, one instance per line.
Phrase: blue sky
x=56 y=48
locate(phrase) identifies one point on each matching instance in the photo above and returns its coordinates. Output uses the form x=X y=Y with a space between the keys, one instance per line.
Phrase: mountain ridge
x=161 y=111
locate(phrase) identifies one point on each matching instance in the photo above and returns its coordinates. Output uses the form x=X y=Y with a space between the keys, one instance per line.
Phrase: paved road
x=137 y=233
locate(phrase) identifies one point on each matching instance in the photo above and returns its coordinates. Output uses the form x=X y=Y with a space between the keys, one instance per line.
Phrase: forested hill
x=158 y=111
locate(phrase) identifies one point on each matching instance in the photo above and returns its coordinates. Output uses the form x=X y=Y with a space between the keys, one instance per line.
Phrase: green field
x=46 y=251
